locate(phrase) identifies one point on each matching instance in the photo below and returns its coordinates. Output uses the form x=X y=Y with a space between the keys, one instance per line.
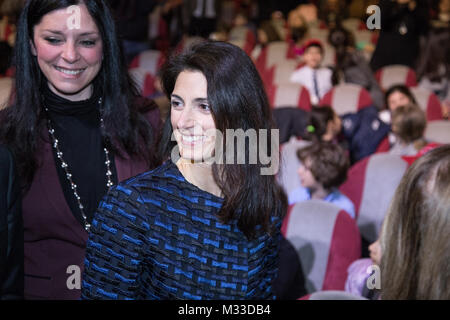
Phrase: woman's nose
x=186 y=119
x=70 y=52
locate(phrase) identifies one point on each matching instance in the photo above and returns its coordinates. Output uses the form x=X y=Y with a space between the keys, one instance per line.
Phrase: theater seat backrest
x=429 y=103
x=274 y=53
x=243 y=37
x=282 y=71
x=347 y=98
x=144 y=80
x=291 y=94
x=289 y=164
x=371 y=184
x=438 y=131
x=327 y=241
x=332 y=295
x=149 y=60
x=395 y=74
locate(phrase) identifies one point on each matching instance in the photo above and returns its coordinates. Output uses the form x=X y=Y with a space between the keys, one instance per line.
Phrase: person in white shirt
x=312 y=76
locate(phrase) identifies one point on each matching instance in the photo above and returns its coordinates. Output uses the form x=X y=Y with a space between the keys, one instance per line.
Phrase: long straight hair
x=416 y=238
x=125 y=129
x=238 y=101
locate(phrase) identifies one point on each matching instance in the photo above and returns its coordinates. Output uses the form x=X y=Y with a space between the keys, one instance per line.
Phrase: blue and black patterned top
x=157 y=236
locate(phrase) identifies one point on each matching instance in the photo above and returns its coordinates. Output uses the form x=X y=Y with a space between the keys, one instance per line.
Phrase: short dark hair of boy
x=314 y=43
x=328 y=163
x=319 y=117
x=409 y=122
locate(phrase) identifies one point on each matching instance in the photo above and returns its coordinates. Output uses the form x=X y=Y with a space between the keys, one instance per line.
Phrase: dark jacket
x=400 y=33
x=364 y=132
x=55 y=241
x=11 y=230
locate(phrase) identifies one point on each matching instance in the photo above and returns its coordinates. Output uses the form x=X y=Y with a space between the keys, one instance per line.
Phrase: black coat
x=395 y=46
x=11 y=230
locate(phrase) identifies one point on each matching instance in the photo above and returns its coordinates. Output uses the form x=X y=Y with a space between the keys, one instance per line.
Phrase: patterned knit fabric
x=156 y=236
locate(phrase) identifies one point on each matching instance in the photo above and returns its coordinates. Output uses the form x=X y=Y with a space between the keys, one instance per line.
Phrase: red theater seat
x=289 y=164
x=243 y=37
x=274 y=53
x=327 y=241
x=347 y=98
x=144 y=69
x=371 y=184
x=395 y=74
x=438 y=131
x=289 y=95
x=331 y=295
x=429 y=103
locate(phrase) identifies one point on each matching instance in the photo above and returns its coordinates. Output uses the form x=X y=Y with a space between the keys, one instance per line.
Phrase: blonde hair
x=416 y=237
x=409 y=123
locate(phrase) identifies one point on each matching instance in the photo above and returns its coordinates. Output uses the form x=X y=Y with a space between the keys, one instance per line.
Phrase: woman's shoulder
x=166 y=171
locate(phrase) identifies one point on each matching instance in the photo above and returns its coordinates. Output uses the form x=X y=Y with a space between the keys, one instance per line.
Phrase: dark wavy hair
x=238 y=101
x=125 y=129
x=398 y=88
x=329 y=163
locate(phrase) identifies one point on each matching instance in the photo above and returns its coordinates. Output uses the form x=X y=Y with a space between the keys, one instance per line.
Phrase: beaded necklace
x=65 y=167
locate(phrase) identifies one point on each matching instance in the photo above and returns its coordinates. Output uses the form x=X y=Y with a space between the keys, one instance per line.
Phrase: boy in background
x=311 y=75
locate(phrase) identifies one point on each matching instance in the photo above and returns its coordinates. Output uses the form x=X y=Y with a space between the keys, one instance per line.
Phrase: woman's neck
x=84 y=94
x=200 y=175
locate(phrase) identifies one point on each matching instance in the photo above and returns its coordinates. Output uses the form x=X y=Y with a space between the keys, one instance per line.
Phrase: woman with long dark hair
x=200 y=226
x=76 y=127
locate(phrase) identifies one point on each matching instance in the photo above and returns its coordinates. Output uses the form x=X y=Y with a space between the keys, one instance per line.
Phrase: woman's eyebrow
x=196 y=100
x=201 y=100
x=88 y=33
x=176 y=97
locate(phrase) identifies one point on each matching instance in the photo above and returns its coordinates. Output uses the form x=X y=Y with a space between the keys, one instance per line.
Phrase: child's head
x=313 y=54
x=398 y=95
x=323 y=164
x=323 y=125
x=408 y=123
x=267 y=33
x=240 y=19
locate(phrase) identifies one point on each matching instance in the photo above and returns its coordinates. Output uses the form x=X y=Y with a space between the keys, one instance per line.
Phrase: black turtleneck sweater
x=77 y=128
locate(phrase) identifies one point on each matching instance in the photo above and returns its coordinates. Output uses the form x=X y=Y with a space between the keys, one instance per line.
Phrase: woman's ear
x=33 y=48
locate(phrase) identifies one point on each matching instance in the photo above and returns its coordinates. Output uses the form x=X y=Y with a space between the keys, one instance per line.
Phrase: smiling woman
x=192 y=229
x=69 y=58
x=76 y=126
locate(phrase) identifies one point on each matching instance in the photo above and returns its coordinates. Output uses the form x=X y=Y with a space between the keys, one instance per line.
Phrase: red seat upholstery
x=289 y=95
x=243 y=37
x=371 y=184
x=347 y=98
x=144 y=69
x=395 y=74
x=429 y=103
x=327 y=241
x=274 y=53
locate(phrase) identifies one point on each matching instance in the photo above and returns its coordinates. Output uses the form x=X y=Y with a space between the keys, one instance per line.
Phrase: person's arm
x=11 y=281
x=116 y=247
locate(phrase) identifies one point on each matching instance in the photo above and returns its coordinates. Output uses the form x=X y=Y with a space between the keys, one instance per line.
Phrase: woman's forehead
x=75 y=18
